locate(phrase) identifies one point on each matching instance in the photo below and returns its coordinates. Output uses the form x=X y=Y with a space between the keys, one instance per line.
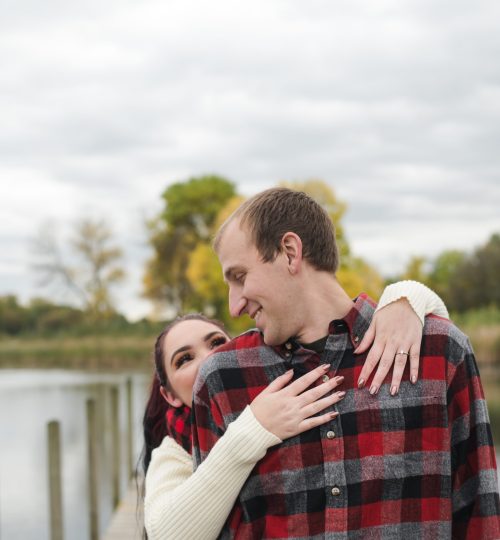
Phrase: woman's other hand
x=396 y=334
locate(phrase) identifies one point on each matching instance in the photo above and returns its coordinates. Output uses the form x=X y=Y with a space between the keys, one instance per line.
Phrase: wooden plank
x=126 y=523
x=130 y=430
x=92 y=470
x=55 y=483
x=115 y=446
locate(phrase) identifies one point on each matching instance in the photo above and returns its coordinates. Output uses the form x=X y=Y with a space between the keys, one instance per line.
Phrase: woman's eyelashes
x=216 y=342
x=188 y=356
x=182 y=359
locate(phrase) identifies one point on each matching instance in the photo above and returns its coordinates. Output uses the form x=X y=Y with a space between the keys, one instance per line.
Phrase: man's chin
x=270 y=340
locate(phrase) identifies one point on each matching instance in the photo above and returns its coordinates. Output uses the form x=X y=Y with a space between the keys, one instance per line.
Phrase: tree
x=205 y=276
x=12 y=317
x=415 y=269
x=359 y=276
x=94 y=272
x=442 y=272
x=474 y=282
x=354 y=273
x=184 y=271
x=186 y=222
x=325 y=195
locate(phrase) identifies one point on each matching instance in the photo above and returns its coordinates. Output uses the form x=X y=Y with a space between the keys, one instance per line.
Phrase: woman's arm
x=397 y=327
x=422 y=299
x=180 y=504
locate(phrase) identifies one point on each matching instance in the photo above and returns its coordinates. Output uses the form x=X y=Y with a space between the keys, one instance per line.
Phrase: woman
x=175 y=496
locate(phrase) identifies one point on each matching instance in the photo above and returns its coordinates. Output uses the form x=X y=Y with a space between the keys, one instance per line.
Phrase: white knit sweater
x=183 y=505
x=180 y=504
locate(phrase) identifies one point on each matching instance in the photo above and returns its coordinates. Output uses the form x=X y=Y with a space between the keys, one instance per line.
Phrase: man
x=418 y=463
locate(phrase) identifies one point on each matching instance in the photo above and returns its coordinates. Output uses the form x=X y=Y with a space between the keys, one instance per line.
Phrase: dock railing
x=55 y=453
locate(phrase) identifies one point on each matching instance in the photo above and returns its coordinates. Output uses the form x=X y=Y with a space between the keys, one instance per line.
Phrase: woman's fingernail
x=413 y=379
x=326 y=367
x=394 y=390
x=361 y=383
x=373 y=390
x=334 y=414
x=340 y=394
x=339 y=379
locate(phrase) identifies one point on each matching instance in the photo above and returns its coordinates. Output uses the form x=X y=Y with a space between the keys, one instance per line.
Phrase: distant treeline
x=183 y=273
x=464 y=280
x=42 y=318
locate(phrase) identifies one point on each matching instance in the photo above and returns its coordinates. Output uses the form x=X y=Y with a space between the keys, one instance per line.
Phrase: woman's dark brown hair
x=153 y=422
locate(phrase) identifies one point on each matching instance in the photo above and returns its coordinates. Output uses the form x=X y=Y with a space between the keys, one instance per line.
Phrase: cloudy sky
x=394 y=103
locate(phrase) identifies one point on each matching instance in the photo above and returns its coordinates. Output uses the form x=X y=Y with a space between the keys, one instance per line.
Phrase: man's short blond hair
x=270 y=214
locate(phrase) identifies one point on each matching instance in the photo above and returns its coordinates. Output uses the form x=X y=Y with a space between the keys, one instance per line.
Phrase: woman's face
x=185 y=347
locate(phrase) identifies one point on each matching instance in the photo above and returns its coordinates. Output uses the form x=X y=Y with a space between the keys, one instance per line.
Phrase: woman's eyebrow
x=211 y=334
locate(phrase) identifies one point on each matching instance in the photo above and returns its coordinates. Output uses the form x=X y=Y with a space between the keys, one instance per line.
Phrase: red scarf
x=179 y=426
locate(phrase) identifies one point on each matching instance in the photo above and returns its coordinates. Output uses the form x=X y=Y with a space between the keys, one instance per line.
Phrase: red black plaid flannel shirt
x=178 y=421
x=417 y=465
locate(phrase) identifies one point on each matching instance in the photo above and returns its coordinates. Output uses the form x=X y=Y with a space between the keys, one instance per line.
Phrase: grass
x=133 y=349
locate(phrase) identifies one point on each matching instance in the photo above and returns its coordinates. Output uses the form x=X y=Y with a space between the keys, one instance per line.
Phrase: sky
x=394 y=103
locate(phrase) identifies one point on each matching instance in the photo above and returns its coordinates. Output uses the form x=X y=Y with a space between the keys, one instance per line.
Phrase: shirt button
x=325 y=378
x=288 y=345
x=336 y=491
x=287 y=354
x=331 y=434
x=356 y=339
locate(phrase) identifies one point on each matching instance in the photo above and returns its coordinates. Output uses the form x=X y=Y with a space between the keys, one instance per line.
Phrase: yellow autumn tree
x=354 y=274
x=205 y=277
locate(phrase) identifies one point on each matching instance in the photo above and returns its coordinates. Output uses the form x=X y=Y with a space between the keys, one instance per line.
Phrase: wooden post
x=55 y=484
x=130 y=431
x=115 y=445
x=92 y=470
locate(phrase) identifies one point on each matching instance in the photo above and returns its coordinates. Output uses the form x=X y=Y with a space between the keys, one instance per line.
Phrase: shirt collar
x=357 y=320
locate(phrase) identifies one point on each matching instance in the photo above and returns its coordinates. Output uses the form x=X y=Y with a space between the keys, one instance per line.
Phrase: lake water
x=29 y=399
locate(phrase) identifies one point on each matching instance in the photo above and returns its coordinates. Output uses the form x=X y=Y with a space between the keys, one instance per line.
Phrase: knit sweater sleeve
x=180 y=504
x=422 y=299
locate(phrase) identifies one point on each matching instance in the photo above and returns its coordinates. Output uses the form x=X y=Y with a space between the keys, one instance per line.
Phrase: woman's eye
x=181 y=360
x=218 y=341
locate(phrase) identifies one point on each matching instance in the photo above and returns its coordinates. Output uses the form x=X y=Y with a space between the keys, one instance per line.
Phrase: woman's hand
x=396 y=330
x=287 y=409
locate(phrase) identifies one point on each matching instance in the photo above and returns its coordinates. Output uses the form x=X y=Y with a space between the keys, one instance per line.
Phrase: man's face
x=264 y=290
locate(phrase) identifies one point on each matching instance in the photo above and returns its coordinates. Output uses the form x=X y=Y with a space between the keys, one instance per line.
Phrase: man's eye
x=240 y=278
x=216 y=342
x=181 y=360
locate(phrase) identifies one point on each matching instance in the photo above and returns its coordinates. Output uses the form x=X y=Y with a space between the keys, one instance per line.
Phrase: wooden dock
x=126 y=523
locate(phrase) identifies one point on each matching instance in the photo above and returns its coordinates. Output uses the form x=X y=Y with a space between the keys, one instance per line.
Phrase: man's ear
x=291 y=246
x=170 y=398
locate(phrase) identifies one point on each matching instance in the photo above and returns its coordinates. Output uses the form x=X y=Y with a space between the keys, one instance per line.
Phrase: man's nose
x=237 y=303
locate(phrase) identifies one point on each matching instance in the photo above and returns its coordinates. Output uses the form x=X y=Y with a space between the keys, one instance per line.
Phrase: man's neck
x=324 y=301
